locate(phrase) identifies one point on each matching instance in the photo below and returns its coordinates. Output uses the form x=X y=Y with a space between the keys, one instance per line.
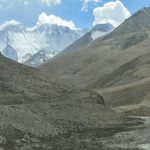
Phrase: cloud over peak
x=52 y=19
x=111 y=12
x=9 y=23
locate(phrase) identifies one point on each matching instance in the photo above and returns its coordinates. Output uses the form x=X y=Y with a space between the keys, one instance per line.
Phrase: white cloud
x=52 y=19
x=86 y=2
x=112 y=12
x=51 y=2
x=10 y=22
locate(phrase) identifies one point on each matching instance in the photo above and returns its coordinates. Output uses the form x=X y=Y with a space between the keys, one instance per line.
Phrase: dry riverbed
x=137 y=138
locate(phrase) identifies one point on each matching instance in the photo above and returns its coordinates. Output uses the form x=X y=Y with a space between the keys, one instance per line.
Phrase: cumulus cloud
x=10 y=22
x=52 y=19
x=51 y=2
x=112 y=12
x=86 y=2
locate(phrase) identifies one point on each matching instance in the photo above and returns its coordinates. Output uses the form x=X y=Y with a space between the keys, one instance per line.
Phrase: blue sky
x=27 y=11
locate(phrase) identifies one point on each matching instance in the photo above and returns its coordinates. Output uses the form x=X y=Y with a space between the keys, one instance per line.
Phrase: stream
x=138 y=138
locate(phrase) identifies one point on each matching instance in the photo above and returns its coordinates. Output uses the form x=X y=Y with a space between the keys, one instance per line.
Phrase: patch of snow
x=101 y=30
x=97 y=34
x=145 y=146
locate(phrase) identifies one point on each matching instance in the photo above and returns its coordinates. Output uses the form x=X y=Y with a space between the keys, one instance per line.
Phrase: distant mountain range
x=24 y=45
x=93 y=95
x=17 y=42
x=99 y=30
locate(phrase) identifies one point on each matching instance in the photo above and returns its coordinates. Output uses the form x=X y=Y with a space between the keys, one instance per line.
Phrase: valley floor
x=137 y=138
x=133 y=134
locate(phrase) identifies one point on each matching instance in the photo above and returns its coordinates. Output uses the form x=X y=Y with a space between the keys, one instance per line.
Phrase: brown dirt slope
x=120 y=57
x=34 y=109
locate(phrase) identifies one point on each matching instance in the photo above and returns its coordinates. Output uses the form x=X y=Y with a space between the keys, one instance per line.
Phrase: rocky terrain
x=118 y=54
x=93 y=96
x=41 y=113
x=116 y=66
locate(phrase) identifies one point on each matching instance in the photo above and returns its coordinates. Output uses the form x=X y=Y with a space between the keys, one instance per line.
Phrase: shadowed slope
x=34 y=110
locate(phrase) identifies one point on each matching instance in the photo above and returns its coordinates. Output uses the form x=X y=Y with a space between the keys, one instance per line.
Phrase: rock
x=92 y=97
x=2 y=140
x=97 y=98
x=18 y=142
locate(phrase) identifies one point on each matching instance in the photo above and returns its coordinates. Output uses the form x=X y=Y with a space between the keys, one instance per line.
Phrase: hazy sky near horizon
x=73 y=13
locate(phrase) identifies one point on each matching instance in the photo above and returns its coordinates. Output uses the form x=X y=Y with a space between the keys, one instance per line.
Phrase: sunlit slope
x=118 y=58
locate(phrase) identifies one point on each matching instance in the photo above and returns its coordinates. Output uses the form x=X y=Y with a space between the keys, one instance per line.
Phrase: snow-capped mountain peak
x=101 y=29
x=25 y=42
x=39 y=58
x=11 y=26
x=107 y=27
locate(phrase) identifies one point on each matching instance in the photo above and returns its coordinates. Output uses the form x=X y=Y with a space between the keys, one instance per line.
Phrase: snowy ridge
x=36 y=45
x=101 y=30
x=19 y=43
x=39 y=58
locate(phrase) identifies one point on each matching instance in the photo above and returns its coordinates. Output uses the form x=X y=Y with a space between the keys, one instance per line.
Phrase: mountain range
x=16 y=41
x=97 y=31
x=35 y=110
x=24 y=45
x=93 y=95
x=119 y=60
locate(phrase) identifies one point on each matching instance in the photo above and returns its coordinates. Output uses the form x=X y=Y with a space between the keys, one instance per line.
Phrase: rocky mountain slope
x=46 y=109
x=115 y=58
x=36 y=110
x=116 y=65
x=97 y=31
